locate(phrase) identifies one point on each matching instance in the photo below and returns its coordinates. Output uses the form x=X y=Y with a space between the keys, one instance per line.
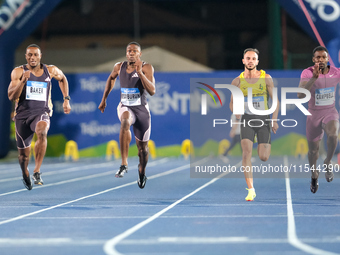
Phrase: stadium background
x=182 y=39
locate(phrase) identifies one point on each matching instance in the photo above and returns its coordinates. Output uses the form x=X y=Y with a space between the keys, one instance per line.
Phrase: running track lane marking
x=66 y=170
x=110 y=245
x=177 y=169
x=291 y=231
x=80 y=178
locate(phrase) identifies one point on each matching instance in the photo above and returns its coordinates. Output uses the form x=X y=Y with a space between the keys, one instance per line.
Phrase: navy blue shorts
x=25 y=129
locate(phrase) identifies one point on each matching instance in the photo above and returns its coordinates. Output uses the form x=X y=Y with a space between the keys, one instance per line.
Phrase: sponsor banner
x=325 y=15
x=18 y=18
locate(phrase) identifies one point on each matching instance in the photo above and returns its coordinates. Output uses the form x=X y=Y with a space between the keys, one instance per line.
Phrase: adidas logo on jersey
x=135 y=75
x=48 y=79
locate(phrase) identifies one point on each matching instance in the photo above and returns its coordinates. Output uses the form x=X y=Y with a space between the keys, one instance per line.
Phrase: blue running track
x=83 y=209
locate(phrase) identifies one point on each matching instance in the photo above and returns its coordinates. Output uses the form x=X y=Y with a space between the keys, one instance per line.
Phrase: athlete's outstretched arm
x=110 y=82
x=19 y=78
x=270 y=86
x=57 y=74
x=145 y=74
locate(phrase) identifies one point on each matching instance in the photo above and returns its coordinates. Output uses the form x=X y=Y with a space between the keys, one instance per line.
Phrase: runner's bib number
x=130 y=96
x=36 y=90
x=325 y=96
x=258 y=104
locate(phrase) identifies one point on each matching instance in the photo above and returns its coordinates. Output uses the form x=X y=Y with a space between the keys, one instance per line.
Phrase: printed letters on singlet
x=258 y=104
x=325 y=96
x=36 y=90
x=130 y=96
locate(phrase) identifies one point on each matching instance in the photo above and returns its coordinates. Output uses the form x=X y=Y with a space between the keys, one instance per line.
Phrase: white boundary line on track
x=40 y=242
x=80 y=178
x=92 y=195
x=169 y=217
x=110 y=245
x=291 y=230
x=67 y=170
x=10 y=168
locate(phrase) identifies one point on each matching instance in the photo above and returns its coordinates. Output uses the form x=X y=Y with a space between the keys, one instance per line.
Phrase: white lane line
x=167 y=217
x=110 y=245
x=89 y=196
x=82 y=178
x=70 y=169
x=33 y=242
x=291 y=230
x=28 y=242
x=67 y=170
x=10 y=168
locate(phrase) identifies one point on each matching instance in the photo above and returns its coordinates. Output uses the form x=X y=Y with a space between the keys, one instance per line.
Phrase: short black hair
x=251 y=49
x=34 y=46
x=135 y=43
x=320 y=48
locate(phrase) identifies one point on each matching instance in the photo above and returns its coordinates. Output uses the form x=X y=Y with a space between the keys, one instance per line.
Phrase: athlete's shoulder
x=267 y=75
x=147 y=66
x=49 y=67
x=17 y=71
x=308 y=72
x=236 y=81
x=52 y=69
x=19 y=68
x=308 y=69
x=334 y=71
x=118 y=64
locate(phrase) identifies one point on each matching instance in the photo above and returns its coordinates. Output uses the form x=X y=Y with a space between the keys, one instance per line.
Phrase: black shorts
x=256 y=125
x=25 y=129
x=140 y=119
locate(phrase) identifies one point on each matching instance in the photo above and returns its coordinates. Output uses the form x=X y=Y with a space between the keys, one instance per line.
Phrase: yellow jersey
x=259 y=92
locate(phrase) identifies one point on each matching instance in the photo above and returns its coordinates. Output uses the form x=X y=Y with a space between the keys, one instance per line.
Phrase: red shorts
x=315 y=122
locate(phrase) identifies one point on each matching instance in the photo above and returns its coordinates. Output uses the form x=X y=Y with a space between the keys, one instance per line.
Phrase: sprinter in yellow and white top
x=261 y=125
x=259 y=91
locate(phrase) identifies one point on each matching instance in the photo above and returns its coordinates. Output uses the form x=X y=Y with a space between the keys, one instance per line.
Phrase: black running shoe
x=314 y=185
x=141 y=183
x=122 y=170
x=27 y=182
x=329 y=175
x=36 y=177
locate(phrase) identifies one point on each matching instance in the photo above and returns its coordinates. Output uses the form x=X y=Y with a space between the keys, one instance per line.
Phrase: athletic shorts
x=314 y=130
x=140 y=119
x=256 y=125
x=25 y=129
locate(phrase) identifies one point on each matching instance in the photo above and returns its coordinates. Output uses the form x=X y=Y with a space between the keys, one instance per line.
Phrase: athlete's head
x=133 y=52
x=33 y=55
x=250 y=58
x=320 y=55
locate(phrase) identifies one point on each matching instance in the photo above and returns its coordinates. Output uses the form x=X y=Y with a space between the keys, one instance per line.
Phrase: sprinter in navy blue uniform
x=136 y=81
x=30 y=88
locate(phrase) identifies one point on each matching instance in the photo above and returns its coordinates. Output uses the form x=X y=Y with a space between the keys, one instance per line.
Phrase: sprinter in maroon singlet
x=30 y=87
x=136 y=81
